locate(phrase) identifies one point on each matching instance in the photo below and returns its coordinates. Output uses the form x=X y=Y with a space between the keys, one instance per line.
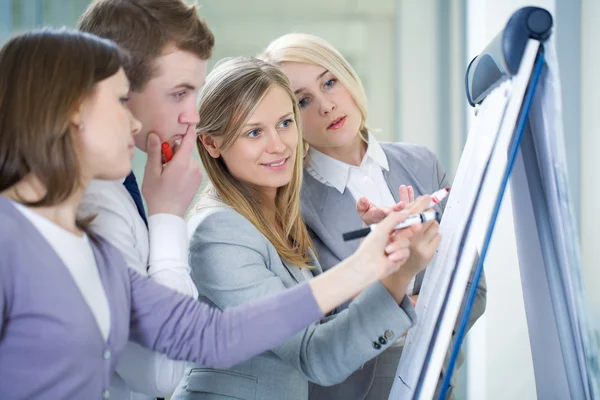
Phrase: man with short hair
x=169 y=47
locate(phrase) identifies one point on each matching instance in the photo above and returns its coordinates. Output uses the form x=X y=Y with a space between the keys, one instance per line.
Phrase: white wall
x=418 y=62
x=499 y=357
x=590 y=146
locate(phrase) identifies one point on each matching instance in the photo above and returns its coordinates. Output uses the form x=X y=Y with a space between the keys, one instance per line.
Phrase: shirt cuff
x=168 y=239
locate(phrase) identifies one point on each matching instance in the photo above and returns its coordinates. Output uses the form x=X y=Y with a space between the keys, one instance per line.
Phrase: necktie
x=133 y=189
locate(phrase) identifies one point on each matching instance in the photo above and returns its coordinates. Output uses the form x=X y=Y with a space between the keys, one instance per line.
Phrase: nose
x=326 y=106
x=189 y=116
x=135 y=125
x=275 y=144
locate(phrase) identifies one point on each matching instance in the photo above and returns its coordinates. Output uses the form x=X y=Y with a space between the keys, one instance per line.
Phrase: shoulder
x=106 y=197
x=10 y=222
x=408 y=152
x=12 y=237
x=418 y=160
x=11 y=228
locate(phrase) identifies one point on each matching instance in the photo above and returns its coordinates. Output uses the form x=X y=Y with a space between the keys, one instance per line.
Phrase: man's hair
x=144 y=28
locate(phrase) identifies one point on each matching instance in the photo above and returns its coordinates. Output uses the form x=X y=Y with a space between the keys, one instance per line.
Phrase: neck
x=30 y=189
x=351 y=153
x=269 y=197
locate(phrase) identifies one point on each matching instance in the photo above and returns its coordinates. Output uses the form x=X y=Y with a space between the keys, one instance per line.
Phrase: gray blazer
x=232 y=263
x=329 y=214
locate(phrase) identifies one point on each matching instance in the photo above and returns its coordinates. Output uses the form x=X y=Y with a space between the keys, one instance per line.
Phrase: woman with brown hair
x=68 y=303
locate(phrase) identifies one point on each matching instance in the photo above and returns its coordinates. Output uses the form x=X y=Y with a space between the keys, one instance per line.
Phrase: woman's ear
x=210 y=144
x=76 y=118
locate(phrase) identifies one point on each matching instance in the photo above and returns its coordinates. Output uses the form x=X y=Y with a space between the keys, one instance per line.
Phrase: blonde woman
x=248 y=241
x=346 y=169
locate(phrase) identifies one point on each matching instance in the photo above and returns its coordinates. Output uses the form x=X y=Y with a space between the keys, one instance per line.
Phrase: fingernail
x=395 y=257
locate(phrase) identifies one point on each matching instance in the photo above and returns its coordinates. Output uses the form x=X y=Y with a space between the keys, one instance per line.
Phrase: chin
x=272 y=184
x=348 y=136
x=115 y=174
x=282 y=183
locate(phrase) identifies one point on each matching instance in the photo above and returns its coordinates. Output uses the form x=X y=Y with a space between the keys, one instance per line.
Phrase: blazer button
x=376 y=346
x=388 y=334
x=382 y=340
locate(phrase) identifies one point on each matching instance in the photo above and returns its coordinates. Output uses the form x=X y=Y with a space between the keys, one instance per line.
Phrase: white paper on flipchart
x=504 y=100
x=477 y=149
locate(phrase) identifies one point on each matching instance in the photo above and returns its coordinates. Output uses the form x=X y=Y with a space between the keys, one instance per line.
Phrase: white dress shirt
x=366 y=180
x=77 y=255
x=160 y=252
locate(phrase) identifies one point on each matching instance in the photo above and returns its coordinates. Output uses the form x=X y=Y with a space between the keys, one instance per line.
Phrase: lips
x=176 y=142
x=337 y=123
x=277 y=163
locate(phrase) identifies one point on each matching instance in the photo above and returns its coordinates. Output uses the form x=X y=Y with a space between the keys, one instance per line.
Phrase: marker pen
x=438 y=196
x=409 y=221
x=167 y=152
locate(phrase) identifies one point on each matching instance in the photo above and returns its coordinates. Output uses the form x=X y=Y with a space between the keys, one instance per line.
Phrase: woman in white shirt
x=346 y=169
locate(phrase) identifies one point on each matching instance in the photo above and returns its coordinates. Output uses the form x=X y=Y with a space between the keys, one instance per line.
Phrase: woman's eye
x=254 y=133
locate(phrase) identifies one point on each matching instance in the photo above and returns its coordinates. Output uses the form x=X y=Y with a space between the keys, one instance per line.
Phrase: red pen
x=438 y=196
x=167 y=152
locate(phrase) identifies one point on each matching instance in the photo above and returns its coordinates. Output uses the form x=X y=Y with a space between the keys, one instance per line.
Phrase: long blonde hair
x=310 y=49
x=231 y=93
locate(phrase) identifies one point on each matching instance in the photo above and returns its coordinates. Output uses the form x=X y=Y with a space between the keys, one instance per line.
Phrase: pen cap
x=356 y=234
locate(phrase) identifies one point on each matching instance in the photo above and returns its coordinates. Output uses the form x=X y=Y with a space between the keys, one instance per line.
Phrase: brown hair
x=144 y=28
x=232 y=91
x=44 y=77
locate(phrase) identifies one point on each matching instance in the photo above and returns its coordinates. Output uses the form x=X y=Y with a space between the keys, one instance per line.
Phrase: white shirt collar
x=375 y=152
x=336 y=173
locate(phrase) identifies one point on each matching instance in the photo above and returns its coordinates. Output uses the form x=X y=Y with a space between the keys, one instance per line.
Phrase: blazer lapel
x=341 y=217
x=399 y=175
x=294 y=271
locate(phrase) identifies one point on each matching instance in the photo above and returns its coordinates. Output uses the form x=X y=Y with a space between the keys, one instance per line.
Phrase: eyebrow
x=254 y=124
x=322 y=74
x=185 y=85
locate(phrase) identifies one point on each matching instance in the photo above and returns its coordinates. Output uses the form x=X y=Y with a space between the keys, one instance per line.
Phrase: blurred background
x=411 y=56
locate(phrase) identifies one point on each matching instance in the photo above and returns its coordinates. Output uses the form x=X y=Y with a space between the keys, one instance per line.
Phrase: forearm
x=168 y=264
x=186 y=329
x=344 y=281
x=397 y=285
x=339 y=284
